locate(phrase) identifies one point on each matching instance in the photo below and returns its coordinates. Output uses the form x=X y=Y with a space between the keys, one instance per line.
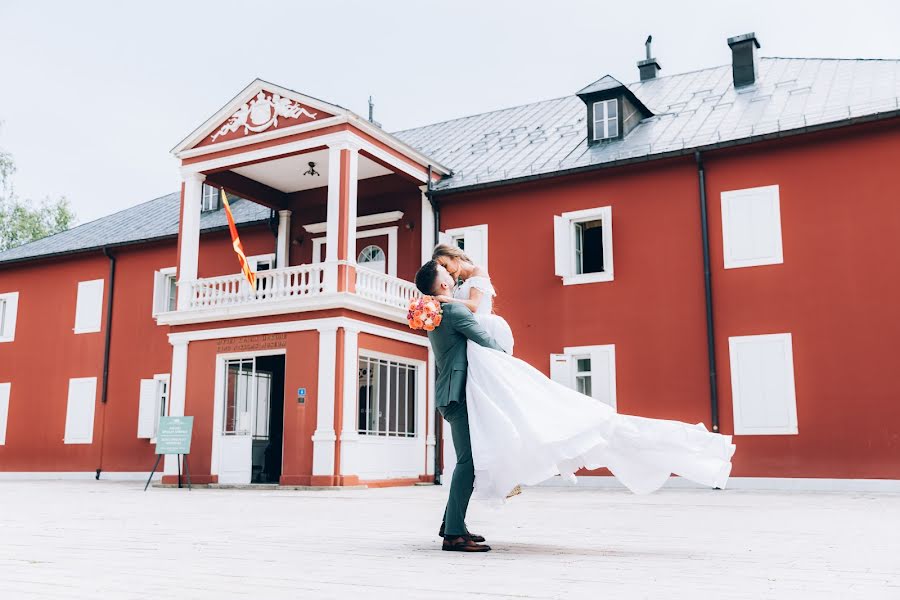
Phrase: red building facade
x=588 y=212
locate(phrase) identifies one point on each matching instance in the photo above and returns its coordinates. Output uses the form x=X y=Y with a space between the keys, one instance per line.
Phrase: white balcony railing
x=304 y=281
x=385 y=289
x=297 y=283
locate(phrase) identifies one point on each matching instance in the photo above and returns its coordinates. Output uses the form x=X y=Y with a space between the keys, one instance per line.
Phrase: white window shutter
x=762 y=384
x=561 y=369
x=603 y=374
x=563 y=249
x=10 y=308
x=148 y=408
x=445 y=238
x=476 y=248
x=751 y=227
x=4 y=410
x=80 y=410
x=158 y=292
x=89 y=306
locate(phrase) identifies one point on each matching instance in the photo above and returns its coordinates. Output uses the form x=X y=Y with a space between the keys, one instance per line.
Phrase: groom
x=449 y=344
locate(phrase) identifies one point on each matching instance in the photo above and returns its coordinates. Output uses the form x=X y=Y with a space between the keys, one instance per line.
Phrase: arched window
x=372 y=257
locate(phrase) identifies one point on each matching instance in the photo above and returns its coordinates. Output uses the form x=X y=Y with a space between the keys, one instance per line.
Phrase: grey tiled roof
x=691 y=110
x=151 y=220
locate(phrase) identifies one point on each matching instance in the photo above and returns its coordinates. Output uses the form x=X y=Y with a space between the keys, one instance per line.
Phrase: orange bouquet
x=424 y=313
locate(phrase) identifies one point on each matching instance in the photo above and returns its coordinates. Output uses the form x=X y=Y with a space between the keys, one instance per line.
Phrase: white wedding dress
x=526 y=428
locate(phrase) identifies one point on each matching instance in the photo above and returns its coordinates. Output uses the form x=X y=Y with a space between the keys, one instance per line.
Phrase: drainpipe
x=707 y=282
x=106 y=343
x=438 y=431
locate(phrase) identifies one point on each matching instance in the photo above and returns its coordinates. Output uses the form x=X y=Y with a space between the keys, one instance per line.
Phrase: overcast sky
x=93 y=95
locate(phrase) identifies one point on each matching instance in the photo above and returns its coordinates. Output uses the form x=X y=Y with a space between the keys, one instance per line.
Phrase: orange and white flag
x=236 y=243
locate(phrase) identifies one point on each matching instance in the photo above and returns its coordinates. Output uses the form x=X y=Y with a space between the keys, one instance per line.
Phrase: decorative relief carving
x=261 y=113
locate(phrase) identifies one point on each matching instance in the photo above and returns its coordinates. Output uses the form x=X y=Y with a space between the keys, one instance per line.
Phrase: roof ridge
x=91 y=222
x=523 y=105
x=831 y=58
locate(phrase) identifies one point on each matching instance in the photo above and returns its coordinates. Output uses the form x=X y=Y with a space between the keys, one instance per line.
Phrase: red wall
x=46 y=354
x=836 y=293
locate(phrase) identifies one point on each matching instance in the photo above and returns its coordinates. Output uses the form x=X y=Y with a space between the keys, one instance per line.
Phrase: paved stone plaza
x=111 y=540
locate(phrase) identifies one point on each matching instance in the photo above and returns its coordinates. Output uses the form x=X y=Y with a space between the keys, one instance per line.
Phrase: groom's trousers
x=463 y=480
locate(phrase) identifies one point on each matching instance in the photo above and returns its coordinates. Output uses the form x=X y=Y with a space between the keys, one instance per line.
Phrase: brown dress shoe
x=463 y=544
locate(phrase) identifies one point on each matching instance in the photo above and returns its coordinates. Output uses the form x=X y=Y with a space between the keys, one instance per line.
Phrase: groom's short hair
x=426 y=277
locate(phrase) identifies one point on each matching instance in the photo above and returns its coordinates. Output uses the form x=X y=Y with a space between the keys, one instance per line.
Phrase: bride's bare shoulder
x=480 y=272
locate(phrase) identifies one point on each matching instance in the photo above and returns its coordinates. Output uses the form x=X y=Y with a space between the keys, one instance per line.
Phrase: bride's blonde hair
x=450 y=252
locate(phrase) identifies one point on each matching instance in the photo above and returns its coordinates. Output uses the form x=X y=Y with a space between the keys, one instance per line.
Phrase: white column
x=189 y=236
x=177 y=389
x=333 y=217
x=352 y=204
x=283 y=248
x=430 y=415
x=324 y=437
x=427 y=221
x=349 y=431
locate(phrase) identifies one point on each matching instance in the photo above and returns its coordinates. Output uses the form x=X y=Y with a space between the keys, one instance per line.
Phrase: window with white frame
x=80 y=410
x=153 y=401
x=258 y=264
x=472 y=240
x=319 y=246
x=4 y=410
x=211 y=199
x=606 y=119
x=762 y=384
x=751 y=227
x=373 y=258
x=387 y=397
x=89 y=306
x=591 y=370
x=9 y=306
x=165 y=290
x=583 y=246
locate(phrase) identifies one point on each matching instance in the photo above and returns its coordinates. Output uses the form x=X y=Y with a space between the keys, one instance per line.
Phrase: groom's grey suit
x=449 y=344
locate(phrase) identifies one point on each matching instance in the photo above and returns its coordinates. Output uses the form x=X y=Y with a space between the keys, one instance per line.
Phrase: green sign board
x=174 y=435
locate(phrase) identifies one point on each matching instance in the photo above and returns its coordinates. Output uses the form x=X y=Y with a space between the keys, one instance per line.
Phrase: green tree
x=23 y=221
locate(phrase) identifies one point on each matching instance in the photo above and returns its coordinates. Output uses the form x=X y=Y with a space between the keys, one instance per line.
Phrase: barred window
x=387 y=397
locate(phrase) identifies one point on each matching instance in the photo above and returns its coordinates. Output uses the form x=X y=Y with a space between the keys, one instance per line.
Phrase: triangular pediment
x=261 y=107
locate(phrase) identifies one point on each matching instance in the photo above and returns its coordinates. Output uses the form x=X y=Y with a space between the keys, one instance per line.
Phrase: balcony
x=301 y=288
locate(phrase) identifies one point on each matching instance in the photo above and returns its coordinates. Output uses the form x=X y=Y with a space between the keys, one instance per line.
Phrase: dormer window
x=211 y=200
x=612 y=110
x=606 y=119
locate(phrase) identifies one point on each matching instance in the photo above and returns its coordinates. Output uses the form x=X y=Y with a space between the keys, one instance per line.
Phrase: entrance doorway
x=252 y=428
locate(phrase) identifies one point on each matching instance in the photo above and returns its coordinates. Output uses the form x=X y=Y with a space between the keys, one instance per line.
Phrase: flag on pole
x=236 y=243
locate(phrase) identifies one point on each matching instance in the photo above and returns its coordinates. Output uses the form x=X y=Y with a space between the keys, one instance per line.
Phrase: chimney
x=648 y=67
x=744 y=59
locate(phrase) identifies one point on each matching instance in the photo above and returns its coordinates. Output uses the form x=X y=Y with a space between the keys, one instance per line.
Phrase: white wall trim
x=287 y=306
x=361 y=221
x=183 y=338
x=794 y=484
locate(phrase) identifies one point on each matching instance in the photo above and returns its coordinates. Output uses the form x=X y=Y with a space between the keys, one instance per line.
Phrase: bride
x=526 y=428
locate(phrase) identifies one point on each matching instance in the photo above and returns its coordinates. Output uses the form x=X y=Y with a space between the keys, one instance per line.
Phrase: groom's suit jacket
x=448 y=341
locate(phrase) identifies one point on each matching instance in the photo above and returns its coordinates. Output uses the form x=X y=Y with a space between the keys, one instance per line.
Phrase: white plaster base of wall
x=104 y=476
x=798 y=484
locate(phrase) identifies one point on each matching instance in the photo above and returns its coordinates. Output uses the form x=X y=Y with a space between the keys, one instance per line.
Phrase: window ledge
x=587 y=278
x=6 y=339
x=80 y=331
